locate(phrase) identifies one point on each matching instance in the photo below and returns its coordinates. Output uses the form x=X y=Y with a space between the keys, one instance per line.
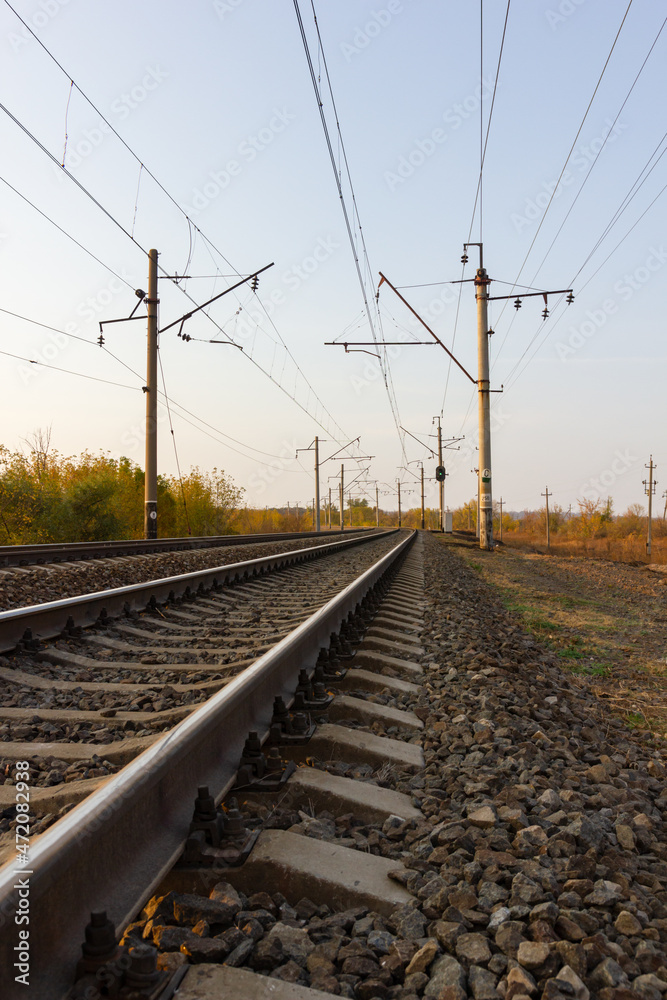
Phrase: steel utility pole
x=547 y=495
x=150 y=476
x=649 y=489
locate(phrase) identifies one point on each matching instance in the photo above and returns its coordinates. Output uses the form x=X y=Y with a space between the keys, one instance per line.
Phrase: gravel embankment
x=539 y=869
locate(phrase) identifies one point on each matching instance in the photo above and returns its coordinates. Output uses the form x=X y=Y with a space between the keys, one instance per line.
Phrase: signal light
x=440 y=473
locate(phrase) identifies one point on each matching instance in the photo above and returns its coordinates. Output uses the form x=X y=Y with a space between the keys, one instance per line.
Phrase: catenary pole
x=150 y=477
x=318 y=525
x=484 y=473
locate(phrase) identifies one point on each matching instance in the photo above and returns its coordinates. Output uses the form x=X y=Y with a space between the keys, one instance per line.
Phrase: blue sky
x=215 y=100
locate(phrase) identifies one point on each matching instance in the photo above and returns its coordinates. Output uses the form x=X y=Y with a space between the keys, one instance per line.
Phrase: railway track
x=184 y=684
x=54 y=552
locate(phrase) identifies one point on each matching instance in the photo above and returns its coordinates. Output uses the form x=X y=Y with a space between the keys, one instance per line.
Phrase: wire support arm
x=424 y=324
x=231 y=288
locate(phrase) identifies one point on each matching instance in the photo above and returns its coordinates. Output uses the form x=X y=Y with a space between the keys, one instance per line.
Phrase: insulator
x=464 y=258
x=545 y=313
x=517 y=303
x=100 y=340
x=254 y=284
x=570 y=298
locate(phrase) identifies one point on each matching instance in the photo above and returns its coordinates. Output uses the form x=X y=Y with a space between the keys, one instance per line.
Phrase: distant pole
x=377 y=507
x=500 y=526
x=441 y=485
x=649 y=489
x=398 y=483
x=342 y=473
x=329 y=511
x=318 y=525
x=484 y=406
x=547 y=495
x=423 y=518
x=150 y=477
x=316 y=516
x=664 y=513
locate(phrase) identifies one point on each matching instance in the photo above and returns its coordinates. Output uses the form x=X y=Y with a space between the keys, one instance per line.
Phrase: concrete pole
x=500 y=526
x=423 y=521
x=398 y=483
x=329 y=510
x=318 y=526
x=150 y=477
x=441 y=485
x=650 y=506
x=342 y=494
x=484 y=474
x=377 y=507
x=546 y=494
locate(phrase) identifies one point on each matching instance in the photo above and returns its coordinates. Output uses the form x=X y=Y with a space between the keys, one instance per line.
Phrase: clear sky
x=204 y=140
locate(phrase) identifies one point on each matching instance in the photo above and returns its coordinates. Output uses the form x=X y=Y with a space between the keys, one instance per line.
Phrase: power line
x=191 y=227
x=574 y=142
x=384 y=366
x=604 y=143
x=68 y=371
x=65 y=233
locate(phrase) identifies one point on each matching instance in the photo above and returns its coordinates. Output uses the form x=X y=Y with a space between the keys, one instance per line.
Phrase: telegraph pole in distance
x=398 y=483
x=500 y=526
x=342 y=473
x=150 y=475
x=547 y=495
x=377 y=507
x=485 y=508
x=649 y=489
x=316 y=510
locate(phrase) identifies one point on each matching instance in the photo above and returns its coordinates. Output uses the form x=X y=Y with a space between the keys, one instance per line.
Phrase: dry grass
x=630 y=550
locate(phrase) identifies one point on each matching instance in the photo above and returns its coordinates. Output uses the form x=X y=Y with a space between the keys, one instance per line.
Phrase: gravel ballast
x=539 y=869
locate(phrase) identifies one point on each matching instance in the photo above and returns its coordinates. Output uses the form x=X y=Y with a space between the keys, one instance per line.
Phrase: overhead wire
x=352 y=235
x=191 y=226
x=68 y=371
x=478 y=193
x=599 y=152
x=173 y=440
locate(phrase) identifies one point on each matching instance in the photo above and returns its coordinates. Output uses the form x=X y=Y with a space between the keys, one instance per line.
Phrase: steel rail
x=51 y=619
x=110 y=852
x=26 y=555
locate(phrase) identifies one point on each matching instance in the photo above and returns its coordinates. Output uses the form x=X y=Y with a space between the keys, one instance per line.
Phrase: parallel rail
x=50 y=620
x=26 y=555
x=110 y=852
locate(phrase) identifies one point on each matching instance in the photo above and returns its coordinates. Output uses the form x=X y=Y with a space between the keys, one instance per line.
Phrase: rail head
x=129 y=832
